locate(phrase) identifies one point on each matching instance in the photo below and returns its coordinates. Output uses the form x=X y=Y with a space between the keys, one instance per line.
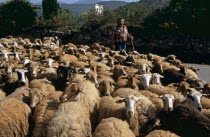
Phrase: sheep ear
x=137 y=99
x=42 y=93
x=115 y=84
x=161 y=76
x=160 y=96
x=120 y=100
x=205 y=95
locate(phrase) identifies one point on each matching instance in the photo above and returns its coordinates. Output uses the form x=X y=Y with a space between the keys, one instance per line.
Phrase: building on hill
x=99 y=8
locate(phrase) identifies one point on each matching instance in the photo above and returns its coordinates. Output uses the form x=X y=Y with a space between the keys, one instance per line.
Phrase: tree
x=64 y=20
x=50 y=8
x=15 y=16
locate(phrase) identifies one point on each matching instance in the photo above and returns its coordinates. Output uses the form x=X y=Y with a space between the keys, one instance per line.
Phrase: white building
x=99 y=8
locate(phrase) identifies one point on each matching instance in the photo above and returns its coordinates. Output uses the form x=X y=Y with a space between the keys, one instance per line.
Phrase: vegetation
x=16 y=16
x=50 y=8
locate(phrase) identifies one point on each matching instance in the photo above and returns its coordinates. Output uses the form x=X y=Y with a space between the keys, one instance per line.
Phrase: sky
x=70 y=1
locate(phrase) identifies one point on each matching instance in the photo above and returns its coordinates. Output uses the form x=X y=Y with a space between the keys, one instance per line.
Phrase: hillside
x=98 y=1
x=87 y=2
x=112 y=4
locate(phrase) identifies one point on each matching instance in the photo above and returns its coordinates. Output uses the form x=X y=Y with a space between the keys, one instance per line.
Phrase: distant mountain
x=87 y=2
x=39 y=2
x=113 y=4
x=60 y=2
x=97 y=1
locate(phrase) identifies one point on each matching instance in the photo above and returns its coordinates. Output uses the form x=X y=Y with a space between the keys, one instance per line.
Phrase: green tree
x=50 y=8
x=64 y=20
x=15 y=16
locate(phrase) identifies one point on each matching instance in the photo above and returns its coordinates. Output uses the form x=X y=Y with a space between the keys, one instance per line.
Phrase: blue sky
x=71 y=1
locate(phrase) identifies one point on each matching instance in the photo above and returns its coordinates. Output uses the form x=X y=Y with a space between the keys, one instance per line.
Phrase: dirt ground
x=203 y=73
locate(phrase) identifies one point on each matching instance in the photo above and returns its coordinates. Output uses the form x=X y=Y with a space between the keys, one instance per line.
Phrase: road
x=203 y=73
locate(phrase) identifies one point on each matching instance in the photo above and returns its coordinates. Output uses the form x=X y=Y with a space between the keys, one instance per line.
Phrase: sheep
x=206 y=112
x=71 y=119
x=92 y=76
x=161 y=66
x=146 y=79
x=2 y=94
x=185 y=120
x=110 y=127
x=205 y=103
x=39 y=89
x=33 y=69
x=171 y=57
x=22 y=94
x=14 y=118
x=143 y=66
x=188 y=72
x=161 y=133
x=106 y=86
x=156 y=78
x=161 y=90
x=194 y=69
x=145 y=108
x=5 y=55
x=118 y=71
x=22 y=77
x=44 y=112
x=109 y=108
x=154 y=98
x=206 y=88
x=96 y=46
x=85 y=92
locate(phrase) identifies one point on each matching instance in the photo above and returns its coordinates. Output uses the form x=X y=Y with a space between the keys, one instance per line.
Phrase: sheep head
x=72 y=93
x=195 y=97
x=36 y=95
x=156 y=78
x=168 y=101
x=107 y=87
x=130 y=102
x=146 y=79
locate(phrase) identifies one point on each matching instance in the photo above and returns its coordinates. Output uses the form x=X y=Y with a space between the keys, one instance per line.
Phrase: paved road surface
x=203 y=73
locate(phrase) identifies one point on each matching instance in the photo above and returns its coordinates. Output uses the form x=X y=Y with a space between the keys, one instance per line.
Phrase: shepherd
x=120 y=35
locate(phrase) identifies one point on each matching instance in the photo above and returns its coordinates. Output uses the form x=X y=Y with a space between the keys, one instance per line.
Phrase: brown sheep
x=188 y=72
x=2 y=94
x=14 y=117
x=85 y=92
x=206 y=88
x=44 y=113
x=21 y=94
x=154 y=98
x=71 y=119
x=161 y=90
x=118 y=71
x=39 y=89
x=110 y=128
x=106 y=86
x=145 y=108
x=205 y=102
x=161 y=133
x=110 y=107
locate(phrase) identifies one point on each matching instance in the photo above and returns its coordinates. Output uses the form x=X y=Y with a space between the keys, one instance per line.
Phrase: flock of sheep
x=54 y=90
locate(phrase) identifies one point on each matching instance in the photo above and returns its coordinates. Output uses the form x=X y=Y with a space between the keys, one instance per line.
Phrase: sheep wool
x=110 y=128
x=14 y=116
x=70 y=120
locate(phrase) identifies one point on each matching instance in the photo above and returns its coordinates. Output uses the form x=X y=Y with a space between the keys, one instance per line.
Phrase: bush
x=16 y=16
x=64 y=20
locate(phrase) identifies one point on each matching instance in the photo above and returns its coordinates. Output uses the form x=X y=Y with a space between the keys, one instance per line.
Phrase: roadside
x=203 y=73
